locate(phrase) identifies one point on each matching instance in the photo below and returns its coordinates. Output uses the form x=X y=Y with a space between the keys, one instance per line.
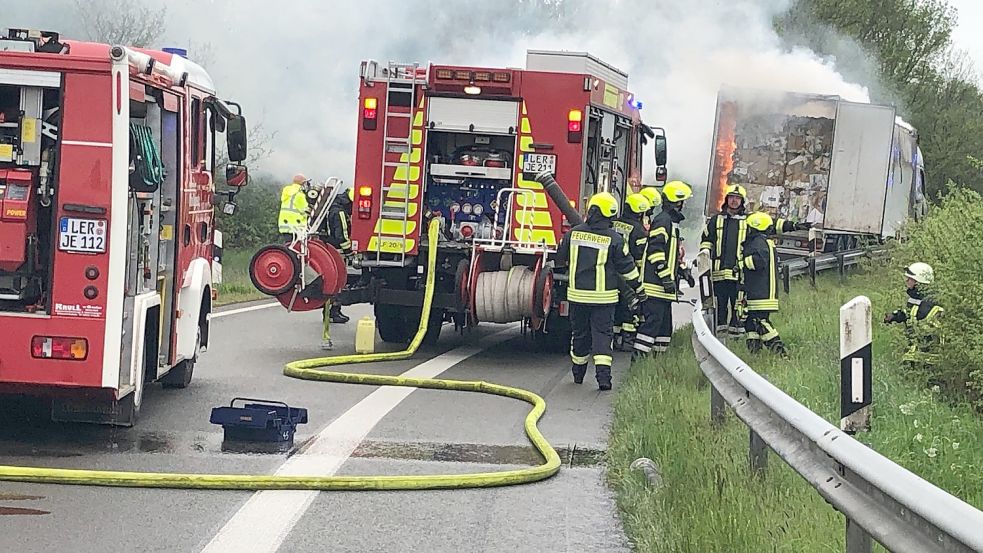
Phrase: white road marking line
x=265 y=520
x=221 y=314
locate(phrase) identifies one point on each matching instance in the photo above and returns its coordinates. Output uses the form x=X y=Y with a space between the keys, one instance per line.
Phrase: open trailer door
x=858 y=174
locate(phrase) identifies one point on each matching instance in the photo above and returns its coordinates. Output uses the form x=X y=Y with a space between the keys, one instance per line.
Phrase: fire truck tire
x=313 y=369
x=180 y=376
x=392 y=324
x=274 y=269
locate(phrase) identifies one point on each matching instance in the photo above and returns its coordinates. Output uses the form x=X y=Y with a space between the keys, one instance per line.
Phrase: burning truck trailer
x=506 y=160
x=852 y=169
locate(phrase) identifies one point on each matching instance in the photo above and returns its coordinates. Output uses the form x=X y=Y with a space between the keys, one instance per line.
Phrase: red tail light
x=59 y=347
x=575 y=128
x=364 y=202
x=370 y=113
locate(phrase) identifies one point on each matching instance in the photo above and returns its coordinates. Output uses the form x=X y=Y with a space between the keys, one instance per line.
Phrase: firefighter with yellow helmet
x=660 y=271
x=598 y=259
x=760 y=285
x=631 y=226
x=654 y=197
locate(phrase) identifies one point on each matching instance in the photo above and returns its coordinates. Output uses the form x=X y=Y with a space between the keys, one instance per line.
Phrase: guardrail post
x=841 y=265
x=758 y=453
x=716 y=406
x=856 y=389
x=857 y=539
x=812 y=271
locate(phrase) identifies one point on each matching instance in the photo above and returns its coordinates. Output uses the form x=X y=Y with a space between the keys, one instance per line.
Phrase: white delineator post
x=855 y=365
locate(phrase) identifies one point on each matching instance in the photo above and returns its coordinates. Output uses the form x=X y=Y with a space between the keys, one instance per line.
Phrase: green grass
x=236 y=286
x=709 y=500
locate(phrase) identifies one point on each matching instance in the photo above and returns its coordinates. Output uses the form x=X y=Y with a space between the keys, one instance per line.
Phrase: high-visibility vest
x=293 y=209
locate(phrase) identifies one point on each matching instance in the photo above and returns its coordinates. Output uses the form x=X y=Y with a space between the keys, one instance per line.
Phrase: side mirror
x=236 y=135
x=661 y=174
x=236 y=176
x=661 y=146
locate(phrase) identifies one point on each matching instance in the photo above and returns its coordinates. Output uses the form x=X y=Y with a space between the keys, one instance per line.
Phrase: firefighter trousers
x=728 y=321
x=655 y=332
x=761 y=332
x=592 y=333
x=625 y=322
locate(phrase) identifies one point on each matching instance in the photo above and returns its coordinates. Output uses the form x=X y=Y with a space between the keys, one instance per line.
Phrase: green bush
x=949 y=240
x=254 y=222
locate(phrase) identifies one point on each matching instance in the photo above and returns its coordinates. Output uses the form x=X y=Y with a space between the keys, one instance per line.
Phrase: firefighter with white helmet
x=598 y=258
x=921 y=317
x=760 y=285
x=723 y=239
x=632 y=228
x=660 y=272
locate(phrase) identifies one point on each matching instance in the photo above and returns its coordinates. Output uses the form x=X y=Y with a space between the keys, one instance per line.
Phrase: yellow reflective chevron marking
x=400 y=175
x=536 y=223
x=535 y=219
x=395 y=228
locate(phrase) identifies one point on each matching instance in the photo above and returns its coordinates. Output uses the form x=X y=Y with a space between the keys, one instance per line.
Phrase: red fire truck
x=107 y=227
x=465 y=144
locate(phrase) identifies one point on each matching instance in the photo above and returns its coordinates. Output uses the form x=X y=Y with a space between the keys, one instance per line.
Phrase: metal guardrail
x=880 y=499
x=824 y=262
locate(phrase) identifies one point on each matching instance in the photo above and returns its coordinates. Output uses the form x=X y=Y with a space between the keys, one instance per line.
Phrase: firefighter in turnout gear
x=632 y=228
x=660 y=271
x=922 y=318
x=293 y=214
x=760 y=285
x=339 y=222
x=723 y=238
x=598 y=259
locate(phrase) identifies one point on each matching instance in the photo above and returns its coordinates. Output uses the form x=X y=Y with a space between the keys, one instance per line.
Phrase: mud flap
x=124 y=412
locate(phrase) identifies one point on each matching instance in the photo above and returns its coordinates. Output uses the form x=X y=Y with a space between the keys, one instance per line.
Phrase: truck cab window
x=197 y=150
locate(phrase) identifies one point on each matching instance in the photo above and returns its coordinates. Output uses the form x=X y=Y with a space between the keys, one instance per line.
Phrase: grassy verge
x=236 y=286
x=710 y=502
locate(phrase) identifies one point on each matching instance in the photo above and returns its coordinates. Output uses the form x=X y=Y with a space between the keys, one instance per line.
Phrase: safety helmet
x=921 y=273
x=652 y=194
x=737 y=190
x=759 y=220
x=677 y=191
x=299 y=178
x=351 y=194
x=605 y=203
x=638 y=203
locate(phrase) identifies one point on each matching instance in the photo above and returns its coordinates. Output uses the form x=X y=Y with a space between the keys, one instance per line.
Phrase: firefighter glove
x=669 y=286
x=803 y=226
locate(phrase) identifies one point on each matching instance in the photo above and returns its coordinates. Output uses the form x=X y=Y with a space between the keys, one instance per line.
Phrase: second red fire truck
x=107 y=226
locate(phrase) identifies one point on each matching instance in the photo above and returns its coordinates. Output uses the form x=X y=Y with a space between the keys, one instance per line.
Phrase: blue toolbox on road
x=259 y=421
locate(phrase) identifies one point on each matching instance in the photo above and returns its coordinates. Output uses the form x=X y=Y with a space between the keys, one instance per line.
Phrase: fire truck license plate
x=537 y=163
x=82 y=235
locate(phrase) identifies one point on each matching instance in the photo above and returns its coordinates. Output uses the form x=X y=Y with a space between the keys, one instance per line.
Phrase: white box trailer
x=852 y=169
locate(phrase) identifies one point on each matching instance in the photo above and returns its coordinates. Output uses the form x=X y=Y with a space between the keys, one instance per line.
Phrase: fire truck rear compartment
x=465 y=174
x=28 y=138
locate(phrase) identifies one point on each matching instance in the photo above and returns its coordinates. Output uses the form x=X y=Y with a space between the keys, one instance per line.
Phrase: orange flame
x=723 y=153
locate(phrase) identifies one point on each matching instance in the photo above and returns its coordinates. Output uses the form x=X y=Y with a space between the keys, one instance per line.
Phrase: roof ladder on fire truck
x=402 y=80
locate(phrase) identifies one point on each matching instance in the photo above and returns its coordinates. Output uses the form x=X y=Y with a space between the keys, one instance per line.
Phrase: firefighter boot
x=619 y=340
x=578 y=373
x=628 y=342
x=753 y=344
x=776 y=346
x=603 y=373
x=337 y=316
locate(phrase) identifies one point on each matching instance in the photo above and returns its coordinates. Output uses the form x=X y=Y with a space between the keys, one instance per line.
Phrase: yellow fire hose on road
x=310 y=369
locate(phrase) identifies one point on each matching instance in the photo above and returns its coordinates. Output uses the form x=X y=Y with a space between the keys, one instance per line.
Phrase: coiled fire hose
x=311 y=369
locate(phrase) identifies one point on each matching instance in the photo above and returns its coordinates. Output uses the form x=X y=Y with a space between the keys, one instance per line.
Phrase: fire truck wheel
x=391 y=320
x=274 y=269
x=180 y=376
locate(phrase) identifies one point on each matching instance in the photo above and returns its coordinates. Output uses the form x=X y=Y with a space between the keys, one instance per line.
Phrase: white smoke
x=294 y=65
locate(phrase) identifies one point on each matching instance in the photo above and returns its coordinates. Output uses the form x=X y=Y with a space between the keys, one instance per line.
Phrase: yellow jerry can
x=365 y=335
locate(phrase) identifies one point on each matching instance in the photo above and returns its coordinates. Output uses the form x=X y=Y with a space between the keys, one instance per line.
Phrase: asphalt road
x=426 y=432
